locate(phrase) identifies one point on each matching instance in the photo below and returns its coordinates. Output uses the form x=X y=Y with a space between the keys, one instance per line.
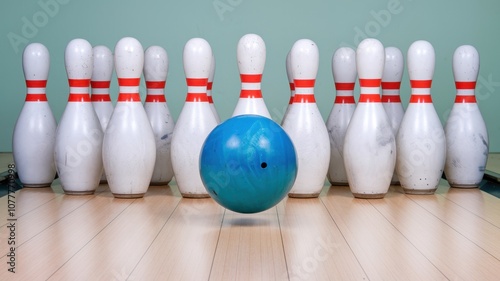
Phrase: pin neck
x=100 y=91
x=370 y=90
x=197 y=90
x=344 y=100
x=79 y=90
x=344 y=86
x=155 y=88
x=390 y=91
x=304 y=91
x=465 y=88
x=129 y=89
x=35 y=90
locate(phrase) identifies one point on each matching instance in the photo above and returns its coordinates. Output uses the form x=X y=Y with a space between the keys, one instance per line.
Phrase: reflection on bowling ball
x=248 y=164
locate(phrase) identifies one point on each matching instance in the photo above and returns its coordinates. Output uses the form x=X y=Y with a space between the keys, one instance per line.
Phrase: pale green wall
x=331 y=24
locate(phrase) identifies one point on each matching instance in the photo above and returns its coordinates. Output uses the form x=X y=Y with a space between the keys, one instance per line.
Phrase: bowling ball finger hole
x=263 y=165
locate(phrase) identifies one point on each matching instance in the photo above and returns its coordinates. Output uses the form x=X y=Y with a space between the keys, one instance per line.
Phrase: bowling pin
x=129 y=149
x=195 y=121
x=155 y=73
x=251 y=54
x=421 y=145
x=304 y=123
x=290 y=83
x=465 y=130
x=78 y=148
x=369 y=144
x=209 y=89
x=344 y=75
x=391 y=83
x=100 y=81
x=35 y=130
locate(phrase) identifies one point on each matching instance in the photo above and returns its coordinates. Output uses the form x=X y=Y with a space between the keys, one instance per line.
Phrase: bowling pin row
x=128 y=163
x=376 y=143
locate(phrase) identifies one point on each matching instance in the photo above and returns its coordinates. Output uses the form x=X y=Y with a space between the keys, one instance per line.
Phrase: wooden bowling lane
x=250 y=248
x=44 y=254
x=481 y=204
x=39 y=217
x=315 y=249
x=185 y=246
x=382 y=250
x=448 y=249
x=476 y=229
x=113 y=253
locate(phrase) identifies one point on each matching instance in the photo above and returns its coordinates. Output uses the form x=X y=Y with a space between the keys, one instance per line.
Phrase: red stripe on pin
x=210 y=99
x=36 y=97
x=465 y=85
x=251 y=94
x=125 y=97
x=100 y=97
x=79 y=82
x=465 y=99
x=369 y=98
x=209 y=86
x=292 y=87
x=79 y=97
x=155 y=98
x=389 y=98
x=100 y=84
x=391 y=85
x=155 y=84
x=344 y=99
x=191 y=97
x=369 y=82
x=420 y=98
x=421 y=83
x=304 y=83
x=300 y=98
x=340 y=86
x=129 y=82
x=197 y=82
x=291 y=100
x=36 y=83
x=251 y=78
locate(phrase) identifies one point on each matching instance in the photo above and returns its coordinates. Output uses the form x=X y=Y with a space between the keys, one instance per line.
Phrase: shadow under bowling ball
x=248 y=164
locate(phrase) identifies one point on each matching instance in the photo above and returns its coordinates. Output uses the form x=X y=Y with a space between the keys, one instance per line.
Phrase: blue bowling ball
x=248 y=164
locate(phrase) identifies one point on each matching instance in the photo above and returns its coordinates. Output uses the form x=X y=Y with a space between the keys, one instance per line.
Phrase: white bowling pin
x=369 y=144
x=78 y=149
x=421 y=144
x=129 y=150
x=195 y=121
x=465 y=130
x=344 y=75
x=290 y=83
x=35 y=130
x=100 y=82
x=304 y=123
x=391 y=83
x=251 y=55
x=209 y=89
x=155 y=74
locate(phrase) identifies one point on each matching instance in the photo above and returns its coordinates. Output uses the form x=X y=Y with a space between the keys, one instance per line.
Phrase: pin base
x=89 y=192
x=37 y=185
x=159 y=183
x=303 y=195
x=464 y=185
x=195 y=195
x=339 y=183
x=128 y=196
x=369 y=195
x=419 y=191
